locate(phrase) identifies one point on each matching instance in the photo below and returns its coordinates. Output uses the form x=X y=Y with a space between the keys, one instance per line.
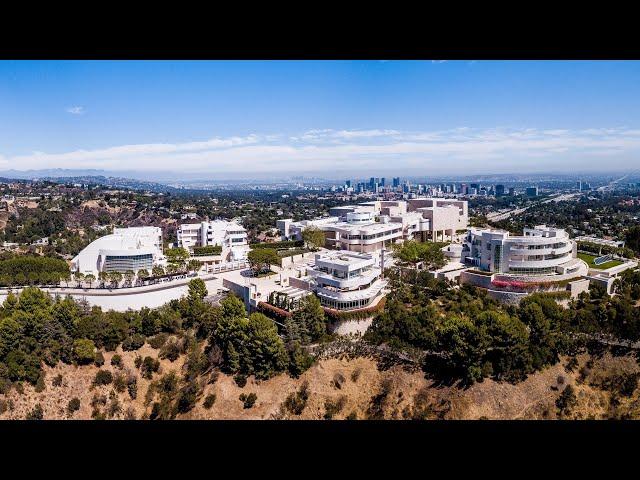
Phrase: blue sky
x=320 y=116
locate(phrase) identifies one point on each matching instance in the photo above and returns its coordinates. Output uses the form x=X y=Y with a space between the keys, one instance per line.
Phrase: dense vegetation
x=470 y=336
x=36 y=328
x=32 y=270
x=38 y=224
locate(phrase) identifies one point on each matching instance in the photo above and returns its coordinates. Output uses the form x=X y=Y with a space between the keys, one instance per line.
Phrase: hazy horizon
x=336 y=176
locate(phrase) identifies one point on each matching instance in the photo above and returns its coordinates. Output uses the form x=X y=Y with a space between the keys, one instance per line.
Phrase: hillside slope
x=353 y=388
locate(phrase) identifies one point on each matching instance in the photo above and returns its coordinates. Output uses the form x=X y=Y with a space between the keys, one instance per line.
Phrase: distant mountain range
x=163 y=181
x=84 y=177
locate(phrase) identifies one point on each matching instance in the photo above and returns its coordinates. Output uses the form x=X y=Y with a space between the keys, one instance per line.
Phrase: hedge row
x=208 y=250
x=279 y=245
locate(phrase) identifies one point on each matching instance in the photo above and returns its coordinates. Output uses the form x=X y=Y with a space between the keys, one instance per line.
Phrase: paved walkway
x=122 y=299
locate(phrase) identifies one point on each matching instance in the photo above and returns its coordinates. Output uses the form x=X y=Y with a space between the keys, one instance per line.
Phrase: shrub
x=571 y=364
x=149 y=366
x=352 y=416
x=36 y=414
x=132 y=386
x=355 y=375
x=157 y=341
x=73 y=406
x=213 y=378
x=133 y=342
x=170 y=350
x=119 y=382
x=138 y=361
x=332 y=408
x=209 y=401
x=566 y=401
x=103 y=377
x=187 y=397
x=40 y=385
x=241 y=380
x=98 y=400
x=57 y=380
x=99 y=359
x=248 y=400
x=296 y=402
x=338 y=380
x=5 y=385
x=114 y=407
x=116 y=361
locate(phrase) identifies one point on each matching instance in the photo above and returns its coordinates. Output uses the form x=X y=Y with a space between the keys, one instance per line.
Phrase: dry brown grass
x=395 y=393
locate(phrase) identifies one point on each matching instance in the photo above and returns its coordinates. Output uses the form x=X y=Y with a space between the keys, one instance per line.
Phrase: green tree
x=84 y=351
x=65 y=277
x=115 y=278
x=261 y=259
x=79 y=276
x=268 y=354
x=299 y=360
x=10 y=336
x=232 y=307
x=90 y=278
x=566 y=401
x=308 y=322
x=129 y=276
x=157 y=271
x=632 y=238
x=413 y=253
x=313 y=237
x=143 y=274
x=197 y=290
x=176 y=257
x=194 y=265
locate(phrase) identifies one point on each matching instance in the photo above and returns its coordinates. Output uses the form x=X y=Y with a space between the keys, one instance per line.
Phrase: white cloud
x=77 y=110
x=462 y=149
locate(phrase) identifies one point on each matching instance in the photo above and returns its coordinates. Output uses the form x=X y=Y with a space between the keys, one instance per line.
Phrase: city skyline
x=325 y=118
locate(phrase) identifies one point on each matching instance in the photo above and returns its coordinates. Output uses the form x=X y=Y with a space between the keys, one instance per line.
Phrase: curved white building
x=541 y=251
x=134 y=249
x=345 y=280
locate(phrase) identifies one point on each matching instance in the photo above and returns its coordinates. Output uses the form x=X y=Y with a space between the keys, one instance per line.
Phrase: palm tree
x=157 y=271
x=103 y=277
x=66 y=277
x=143 y=274
x=78 y=276
x=128 y=276
x=90 y=278
x=116 y=278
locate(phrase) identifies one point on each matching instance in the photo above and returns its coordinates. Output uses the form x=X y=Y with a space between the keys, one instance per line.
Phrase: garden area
x=590 y=259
